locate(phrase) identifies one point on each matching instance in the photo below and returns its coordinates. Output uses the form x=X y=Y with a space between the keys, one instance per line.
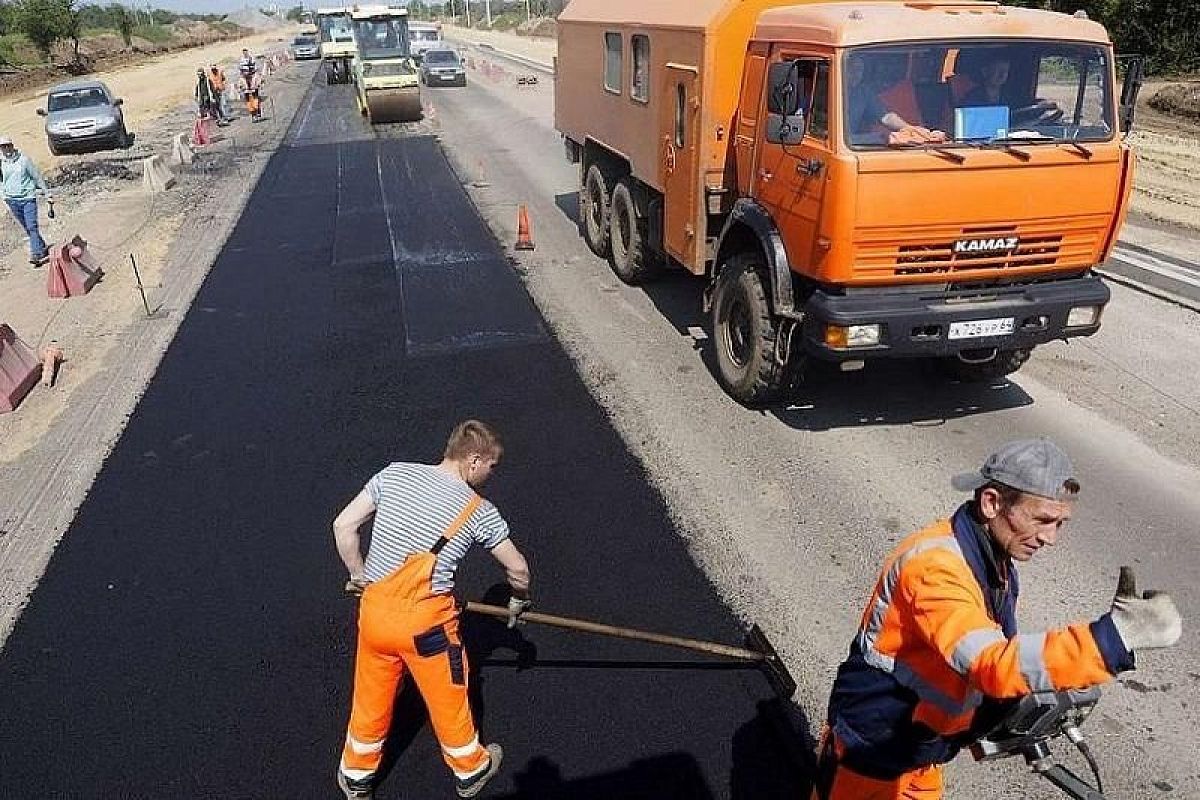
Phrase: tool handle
x=584 y=626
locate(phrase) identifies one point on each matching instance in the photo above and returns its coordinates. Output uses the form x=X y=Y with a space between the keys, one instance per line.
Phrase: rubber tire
x=631 y=261
x=1005 y=363
x=123 y=141
x=758 y=380
x=596 y=189
x=54 y=151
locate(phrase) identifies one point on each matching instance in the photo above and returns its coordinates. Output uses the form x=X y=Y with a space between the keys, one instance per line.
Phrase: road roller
x=337 y=43
x=385 y=75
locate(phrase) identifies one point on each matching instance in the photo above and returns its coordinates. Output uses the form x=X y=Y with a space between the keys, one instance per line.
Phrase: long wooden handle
x=712 y=648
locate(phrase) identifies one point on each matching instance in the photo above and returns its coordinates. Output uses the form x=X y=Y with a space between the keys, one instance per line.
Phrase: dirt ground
x=1167 y=185
x=150 y=89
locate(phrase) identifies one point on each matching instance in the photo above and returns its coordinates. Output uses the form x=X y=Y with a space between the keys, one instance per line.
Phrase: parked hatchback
x=442 y=67
x=83 y=117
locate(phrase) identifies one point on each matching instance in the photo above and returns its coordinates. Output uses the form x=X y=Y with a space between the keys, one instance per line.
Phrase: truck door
x=680 y=165
x=789 y=178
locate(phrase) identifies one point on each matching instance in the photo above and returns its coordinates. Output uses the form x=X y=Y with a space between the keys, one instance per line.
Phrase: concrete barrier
x=156 y=174
x=73 y=271
x=181 y=150
x=19 y=369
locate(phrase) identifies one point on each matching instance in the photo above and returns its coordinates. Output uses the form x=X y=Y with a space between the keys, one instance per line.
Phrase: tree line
x=45 y=22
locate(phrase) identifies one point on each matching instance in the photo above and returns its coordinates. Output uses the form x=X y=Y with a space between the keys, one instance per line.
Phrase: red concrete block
x=73 y=271
x=19 y=369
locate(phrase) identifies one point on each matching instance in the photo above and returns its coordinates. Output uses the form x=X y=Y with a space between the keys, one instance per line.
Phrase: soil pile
x=1178 y=100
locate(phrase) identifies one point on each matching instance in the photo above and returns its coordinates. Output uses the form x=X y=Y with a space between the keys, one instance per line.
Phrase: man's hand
x=356 y=585
x=516 y=607
x=1145 y=621
x=915 y=134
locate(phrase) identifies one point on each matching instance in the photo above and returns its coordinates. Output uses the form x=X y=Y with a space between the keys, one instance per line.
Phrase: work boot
x=469 y=787
x=355 y=790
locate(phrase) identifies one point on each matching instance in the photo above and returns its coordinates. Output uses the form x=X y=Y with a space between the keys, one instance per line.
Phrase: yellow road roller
x=385 y=75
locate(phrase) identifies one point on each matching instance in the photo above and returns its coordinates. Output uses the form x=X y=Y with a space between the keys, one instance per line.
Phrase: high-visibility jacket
x=938 y=636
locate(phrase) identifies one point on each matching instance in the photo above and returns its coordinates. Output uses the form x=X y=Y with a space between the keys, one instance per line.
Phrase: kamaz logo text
x=1003 y=244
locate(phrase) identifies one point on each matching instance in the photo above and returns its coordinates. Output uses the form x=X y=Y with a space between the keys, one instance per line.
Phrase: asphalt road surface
x=190 y=638
x=790 y=511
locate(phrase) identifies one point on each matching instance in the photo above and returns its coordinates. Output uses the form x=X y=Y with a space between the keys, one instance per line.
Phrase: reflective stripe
x=364 y=748
x=931 y=694
x=1031 y=647
x=970 y=646
x=462 y=776
x=355 y=774
x=464 y=751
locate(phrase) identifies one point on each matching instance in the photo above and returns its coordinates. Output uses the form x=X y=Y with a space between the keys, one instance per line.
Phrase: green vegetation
x=157 y=34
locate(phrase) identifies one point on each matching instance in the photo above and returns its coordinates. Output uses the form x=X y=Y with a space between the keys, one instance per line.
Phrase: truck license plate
x=980 y=328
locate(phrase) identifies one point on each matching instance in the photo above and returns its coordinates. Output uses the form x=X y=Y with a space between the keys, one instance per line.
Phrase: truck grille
x=906 y=253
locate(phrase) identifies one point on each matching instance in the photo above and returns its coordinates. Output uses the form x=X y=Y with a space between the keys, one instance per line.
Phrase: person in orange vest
x=939 y=641
x=427 y=517
x=216 y=77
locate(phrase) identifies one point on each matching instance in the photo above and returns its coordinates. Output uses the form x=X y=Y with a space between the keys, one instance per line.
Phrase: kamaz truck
x=385 y=76
x=854 y=181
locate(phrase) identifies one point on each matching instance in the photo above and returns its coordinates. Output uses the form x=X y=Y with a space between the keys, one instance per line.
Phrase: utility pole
x=528 y=16
x=468 y=4
x=487 y=7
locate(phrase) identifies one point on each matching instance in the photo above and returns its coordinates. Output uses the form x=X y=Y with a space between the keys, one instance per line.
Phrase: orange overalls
x=403 y=624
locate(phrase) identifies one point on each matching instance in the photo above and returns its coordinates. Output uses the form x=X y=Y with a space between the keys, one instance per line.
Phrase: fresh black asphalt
x=190 y=638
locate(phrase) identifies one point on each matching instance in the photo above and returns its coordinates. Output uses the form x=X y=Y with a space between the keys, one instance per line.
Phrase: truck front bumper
x=917 y=322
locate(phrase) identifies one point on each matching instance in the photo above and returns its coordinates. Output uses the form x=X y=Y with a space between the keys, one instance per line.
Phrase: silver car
x=442 y=68
x=304 y=47
x=83 y=117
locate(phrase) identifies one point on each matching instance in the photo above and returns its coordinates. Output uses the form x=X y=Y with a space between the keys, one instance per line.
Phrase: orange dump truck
x=855 y=180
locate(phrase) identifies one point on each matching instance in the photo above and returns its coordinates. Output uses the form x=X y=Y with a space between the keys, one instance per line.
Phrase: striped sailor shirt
x=414 y=505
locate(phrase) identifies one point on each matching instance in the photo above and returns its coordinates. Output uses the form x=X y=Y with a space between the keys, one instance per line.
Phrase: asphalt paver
x=190 y=638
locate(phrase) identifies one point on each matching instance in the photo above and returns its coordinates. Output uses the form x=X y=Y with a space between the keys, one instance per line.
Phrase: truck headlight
x=846 y=337
x=1083 y=316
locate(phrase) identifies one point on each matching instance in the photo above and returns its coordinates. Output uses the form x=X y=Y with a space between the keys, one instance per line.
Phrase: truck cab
x=872 y=180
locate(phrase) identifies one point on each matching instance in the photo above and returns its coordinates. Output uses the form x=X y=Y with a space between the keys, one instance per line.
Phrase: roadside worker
x=206 y=98
x=216 y=79
x=22 y=182
x=939 y=634
x=246 y=60
x=427 y=517
x=249 y=86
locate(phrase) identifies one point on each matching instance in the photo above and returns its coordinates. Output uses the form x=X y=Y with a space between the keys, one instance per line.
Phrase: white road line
x=1158 y=266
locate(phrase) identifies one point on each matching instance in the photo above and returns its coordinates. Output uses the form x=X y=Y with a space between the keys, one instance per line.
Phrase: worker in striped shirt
x=427 y=517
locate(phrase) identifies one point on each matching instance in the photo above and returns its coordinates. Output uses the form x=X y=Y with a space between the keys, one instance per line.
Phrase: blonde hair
x=473 y=438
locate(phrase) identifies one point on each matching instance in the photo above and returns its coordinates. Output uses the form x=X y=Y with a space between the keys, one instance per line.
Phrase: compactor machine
x=337 y=43
x=385 y=74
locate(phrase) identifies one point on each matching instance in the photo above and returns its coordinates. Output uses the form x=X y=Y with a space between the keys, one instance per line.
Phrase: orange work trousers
x=404 y=627
x=252 y=104
x=835 y=781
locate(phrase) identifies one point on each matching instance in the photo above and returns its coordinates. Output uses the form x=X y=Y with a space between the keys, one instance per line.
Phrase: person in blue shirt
x=22 y=183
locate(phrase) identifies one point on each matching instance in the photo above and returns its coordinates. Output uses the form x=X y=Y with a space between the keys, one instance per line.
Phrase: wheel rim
x=594 y=204
x=623 y=228
x=738 y=333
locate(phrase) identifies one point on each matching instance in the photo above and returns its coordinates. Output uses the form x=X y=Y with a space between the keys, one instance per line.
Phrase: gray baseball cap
x=1033 y=466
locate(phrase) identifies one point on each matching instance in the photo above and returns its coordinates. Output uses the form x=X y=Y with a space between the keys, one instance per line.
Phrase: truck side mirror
x=785 y=118
x=1134 y=77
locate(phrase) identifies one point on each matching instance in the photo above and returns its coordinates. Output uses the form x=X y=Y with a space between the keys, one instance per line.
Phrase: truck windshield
x=979 y=92
x=381 y=38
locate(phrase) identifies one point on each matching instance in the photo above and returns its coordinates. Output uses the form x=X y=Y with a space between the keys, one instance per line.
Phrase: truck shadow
x=912 y=392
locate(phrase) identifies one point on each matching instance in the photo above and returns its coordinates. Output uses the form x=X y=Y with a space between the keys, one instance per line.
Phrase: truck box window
x=612 y=62
x=640 y=88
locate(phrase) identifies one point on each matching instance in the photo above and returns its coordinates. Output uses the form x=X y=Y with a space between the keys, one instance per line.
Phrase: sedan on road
x=83 y=117
x=443 y=67
x=305 y=47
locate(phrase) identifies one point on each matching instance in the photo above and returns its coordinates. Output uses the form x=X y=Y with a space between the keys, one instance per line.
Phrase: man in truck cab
x=870 y=121
x=938 y=650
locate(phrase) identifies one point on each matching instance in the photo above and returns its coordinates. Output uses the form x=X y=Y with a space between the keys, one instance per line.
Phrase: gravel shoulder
x=52 y=446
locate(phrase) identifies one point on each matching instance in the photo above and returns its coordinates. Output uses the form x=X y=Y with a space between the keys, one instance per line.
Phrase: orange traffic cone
x=52 y=356
x=524 y=229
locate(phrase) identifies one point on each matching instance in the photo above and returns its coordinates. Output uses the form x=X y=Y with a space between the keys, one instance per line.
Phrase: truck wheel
x=744 y=333
x=594 y=210
x=630 y=258
x=1006 y=362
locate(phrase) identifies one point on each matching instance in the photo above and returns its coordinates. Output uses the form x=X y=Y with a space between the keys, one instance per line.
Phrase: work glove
x=355 y=586
x=516 y=607
x=1145 y=621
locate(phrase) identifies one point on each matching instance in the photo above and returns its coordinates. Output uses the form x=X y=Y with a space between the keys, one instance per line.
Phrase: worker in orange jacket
x=427 y=517
x=939 y=638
